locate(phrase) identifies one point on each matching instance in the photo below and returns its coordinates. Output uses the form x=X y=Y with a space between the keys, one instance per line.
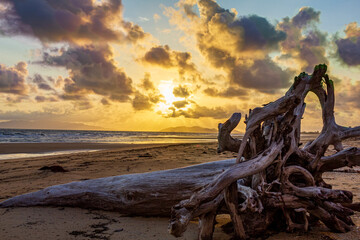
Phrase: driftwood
x=273 y=184
x=145 y=194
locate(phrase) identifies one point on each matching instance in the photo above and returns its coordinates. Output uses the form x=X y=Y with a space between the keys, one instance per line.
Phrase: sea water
x=82 y=136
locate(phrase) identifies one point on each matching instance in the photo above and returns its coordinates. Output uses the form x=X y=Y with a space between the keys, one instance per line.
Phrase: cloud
x=12 y=99
x=68 y=20
x=83 y=105
x=305 y=16
x=189 y=10
x=224 y=31
x=41 y=82
x=238 y=45
x=181 y=91
x=349 y=96
x=92 y=69
x=104 y=101
x=156 y=17
x=145 y=102
x=12 y=79
x=148 y=96
x=348 y=48
x=165 y=57
x=263 y=75
x=141 y=102
x=146 y=83
x=196 y=111
x=46 y=99
x=134 y=32
x=143 y=19
x=229 y=92
x=40 y=120
x=180 y=104
x=307 y=48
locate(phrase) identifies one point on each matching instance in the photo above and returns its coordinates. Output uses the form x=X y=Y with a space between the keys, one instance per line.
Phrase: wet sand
x=10 y=148
x=18 y=176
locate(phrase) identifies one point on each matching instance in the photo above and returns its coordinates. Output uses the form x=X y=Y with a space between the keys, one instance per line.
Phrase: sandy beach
x=19 y=176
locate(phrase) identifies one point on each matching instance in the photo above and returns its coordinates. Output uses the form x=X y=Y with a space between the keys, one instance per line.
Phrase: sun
x=166 y=88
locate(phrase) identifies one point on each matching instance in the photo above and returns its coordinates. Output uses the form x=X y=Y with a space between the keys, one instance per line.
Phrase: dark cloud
x=263 y=75
x=46 y=99
x=12 y=79
x=189 y=10
x=217 y=57
x=83 y=105
x=258 y=33
x=146 y=83
x=141 y=102
x=208 y=8
x=147 y=96
x=180 y=104
x=159 y=55
x=145 y=102
x=134 y=32
x=13 y=99
x=348 y=48
x=41 y=82
x=349 y=97
x=68 y=20
x=239 y=46
x=165 y=57
x=229 y=92
x=246 y=33
x=306 y=47
x=305 y=16
x=349 y=51
x=104 y=101
x=92 y=70
x=196 y=111
x=181 y=91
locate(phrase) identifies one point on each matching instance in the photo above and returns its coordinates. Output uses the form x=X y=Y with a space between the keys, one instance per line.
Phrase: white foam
x=30 y=155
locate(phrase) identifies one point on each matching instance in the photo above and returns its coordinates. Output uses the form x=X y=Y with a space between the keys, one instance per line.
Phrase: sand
x=18 y=176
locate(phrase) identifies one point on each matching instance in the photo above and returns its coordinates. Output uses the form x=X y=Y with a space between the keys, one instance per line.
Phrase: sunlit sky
x=139 y=65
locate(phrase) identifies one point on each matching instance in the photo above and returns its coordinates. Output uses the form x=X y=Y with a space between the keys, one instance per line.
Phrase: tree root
x=274 y=180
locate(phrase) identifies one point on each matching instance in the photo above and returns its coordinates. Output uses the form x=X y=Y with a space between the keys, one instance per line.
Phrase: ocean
x=82 y=136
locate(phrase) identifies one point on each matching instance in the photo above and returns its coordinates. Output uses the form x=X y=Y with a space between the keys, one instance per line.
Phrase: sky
x=137 y=65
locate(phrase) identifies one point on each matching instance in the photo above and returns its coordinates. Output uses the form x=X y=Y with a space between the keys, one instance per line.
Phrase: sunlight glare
x=166 y=88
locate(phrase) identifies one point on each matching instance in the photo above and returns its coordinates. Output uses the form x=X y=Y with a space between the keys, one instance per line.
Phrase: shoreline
x=11 y=148
x=33 y=150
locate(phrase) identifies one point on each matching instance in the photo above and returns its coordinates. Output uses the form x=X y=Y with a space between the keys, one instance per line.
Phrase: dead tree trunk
x=145 y=194
x=275 y=181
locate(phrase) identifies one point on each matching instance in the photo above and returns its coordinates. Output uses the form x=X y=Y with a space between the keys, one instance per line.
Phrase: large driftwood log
x=146 y=194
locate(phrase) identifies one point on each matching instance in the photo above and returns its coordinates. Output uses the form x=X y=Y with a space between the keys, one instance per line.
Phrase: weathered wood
x=145 y=194
x=231 y=201
x=186 y=209
x=206 y=226
x=346 y=158
x=288 y=186
x=225 y=141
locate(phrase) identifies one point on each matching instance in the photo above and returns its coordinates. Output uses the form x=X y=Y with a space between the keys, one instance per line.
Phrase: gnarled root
x=281 y=186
